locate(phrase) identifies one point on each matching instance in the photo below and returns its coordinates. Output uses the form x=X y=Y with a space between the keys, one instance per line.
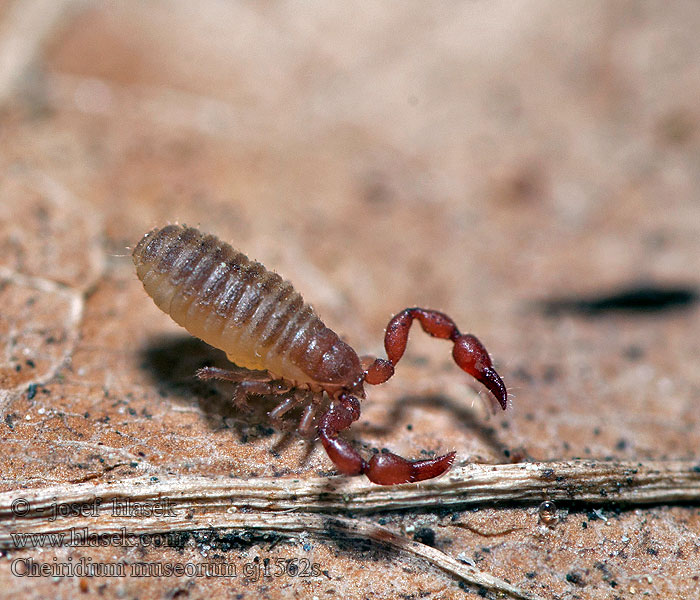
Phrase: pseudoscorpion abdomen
x=233 y=303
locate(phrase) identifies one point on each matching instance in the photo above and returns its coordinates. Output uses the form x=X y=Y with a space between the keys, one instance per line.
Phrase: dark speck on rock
x=425 y=535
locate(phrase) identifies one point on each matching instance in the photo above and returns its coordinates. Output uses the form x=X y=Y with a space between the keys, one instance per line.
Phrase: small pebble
x=548 y=513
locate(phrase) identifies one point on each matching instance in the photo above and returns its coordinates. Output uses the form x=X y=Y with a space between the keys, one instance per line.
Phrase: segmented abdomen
x=233 y=303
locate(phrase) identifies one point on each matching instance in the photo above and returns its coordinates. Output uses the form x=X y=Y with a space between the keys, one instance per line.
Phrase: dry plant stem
x=295 y=525
x=292 y=506
x=581 y=481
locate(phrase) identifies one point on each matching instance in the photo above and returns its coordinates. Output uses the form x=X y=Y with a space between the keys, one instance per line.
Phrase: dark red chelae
x=280 y=347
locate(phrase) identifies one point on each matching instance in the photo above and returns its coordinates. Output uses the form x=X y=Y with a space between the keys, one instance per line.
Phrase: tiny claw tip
x=495 y=385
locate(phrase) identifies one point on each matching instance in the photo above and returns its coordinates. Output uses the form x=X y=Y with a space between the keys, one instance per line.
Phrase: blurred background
x=531 y=168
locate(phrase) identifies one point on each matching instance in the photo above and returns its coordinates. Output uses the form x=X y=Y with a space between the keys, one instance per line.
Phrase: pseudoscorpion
x=280 y=346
